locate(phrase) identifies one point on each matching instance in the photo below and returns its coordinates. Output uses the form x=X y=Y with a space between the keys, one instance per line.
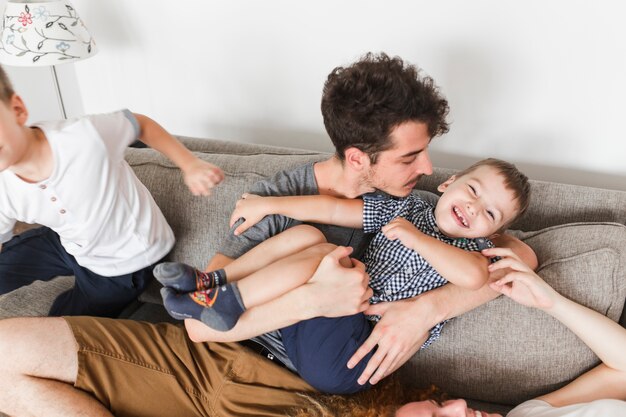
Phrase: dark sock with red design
x=219 y=308
x=184 y=278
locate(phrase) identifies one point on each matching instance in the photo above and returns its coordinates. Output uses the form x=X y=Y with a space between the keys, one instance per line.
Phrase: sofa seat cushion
x=35 y=299
x=506 y=353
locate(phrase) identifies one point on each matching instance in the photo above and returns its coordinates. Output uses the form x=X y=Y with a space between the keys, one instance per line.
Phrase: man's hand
x=339 y=286
x=403 y=230
x=397 y=336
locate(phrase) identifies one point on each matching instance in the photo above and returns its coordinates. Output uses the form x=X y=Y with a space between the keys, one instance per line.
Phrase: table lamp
x=44 y=33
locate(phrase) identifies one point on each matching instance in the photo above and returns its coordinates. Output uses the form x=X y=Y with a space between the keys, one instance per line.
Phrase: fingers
x=201 y=178
x=340 y=252
x=365 y=303
x=369 y=293
x=403 y=356
x=245 y=225
x=357 y=264
x=360 y=353
x=501 y=252
x=504 y=285
x=383 y=369
x=501 y=288
x=373 y=364
x=514 y=264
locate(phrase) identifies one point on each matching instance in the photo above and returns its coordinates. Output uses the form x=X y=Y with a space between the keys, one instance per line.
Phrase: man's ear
x=19 y=109
x=357 y=159
x=443 y=186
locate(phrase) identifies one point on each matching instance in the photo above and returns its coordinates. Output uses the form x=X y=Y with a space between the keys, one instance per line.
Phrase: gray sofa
x=497 y=355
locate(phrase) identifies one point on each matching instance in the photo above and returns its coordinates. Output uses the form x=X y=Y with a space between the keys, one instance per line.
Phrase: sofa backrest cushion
x=200 y=223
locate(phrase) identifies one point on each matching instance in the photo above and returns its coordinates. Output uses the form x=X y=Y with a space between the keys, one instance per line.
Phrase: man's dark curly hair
x=364 y=102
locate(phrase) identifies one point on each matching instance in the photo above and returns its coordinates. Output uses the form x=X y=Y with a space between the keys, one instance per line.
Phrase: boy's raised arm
x=200 y=176
x=322 y=209
x=464 y=268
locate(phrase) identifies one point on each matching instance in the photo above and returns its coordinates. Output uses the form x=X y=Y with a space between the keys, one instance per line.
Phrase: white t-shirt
x=598 y=408
x=105 y=217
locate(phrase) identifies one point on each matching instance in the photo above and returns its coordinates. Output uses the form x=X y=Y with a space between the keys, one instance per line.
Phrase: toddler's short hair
x=514 y=180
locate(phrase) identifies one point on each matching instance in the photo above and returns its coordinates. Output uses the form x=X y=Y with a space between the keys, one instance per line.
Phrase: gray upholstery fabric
x=35 y=299
x=501 y=352
x=205 y=220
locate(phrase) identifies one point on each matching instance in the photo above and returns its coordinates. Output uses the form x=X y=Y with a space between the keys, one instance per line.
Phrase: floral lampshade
x=43 y=33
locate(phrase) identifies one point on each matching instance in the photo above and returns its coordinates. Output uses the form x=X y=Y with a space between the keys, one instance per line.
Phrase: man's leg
x=38 y=364
x=134 y=369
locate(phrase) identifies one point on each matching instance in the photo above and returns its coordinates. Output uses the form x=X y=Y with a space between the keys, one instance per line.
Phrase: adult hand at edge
x=339 y=286
x=397 y=335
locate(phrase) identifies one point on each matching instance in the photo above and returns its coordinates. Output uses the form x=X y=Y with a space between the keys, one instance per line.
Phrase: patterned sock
x=219 y=308
x=184 y=278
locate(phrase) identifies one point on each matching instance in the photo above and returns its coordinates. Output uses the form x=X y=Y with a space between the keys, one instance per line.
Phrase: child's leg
x=184 y=278
x=220 y=308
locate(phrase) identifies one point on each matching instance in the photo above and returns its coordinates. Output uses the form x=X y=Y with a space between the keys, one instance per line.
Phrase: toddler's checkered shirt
x=397 y=272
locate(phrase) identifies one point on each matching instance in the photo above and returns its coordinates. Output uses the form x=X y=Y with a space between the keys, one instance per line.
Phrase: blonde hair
x=381 y=401
x=6 y=89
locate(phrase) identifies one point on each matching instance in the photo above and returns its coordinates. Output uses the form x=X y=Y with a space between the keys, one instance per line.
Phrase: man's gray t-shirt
x=298 y=181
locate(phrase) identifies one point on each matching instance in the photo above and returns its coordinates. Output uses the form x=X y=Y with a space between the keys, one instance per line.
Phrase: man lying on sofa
x=381 y=116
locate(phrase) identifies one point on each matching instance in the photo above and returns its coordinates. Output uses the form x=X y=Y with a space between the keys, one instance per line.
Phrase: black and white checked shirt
x=397 y=272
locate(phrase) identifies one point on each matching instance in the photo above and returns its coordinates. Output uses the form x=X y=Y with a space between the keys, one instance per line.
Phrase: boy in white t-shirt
x=100 y=222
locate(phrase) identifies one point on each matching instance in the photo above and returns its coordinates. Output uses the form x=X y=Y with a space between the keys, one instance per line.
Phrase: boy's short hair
x=514 y=180
x=364 y=102
x=6 y=89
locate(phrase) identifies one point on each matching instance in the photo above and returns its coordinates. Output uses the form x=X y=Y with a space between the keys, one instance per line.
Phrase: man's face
x=475 y=205
x=398 y=169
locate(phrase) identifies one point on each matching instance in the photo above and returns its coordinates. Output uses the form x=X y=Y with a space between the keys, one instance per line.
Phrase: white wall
x=540 y=83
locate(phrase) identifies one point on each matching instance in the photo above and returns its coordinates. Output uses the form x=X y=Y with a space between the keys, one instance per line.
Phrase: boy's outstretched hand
x=200 y=176
x=521 y=283
x=251 y=208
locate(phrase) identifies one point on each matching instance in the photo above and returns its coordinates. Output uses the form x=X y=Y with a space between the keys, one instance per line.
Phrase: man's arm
x=333 y=291
x=322 y=209
x=399 y=336
x=200 y=176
